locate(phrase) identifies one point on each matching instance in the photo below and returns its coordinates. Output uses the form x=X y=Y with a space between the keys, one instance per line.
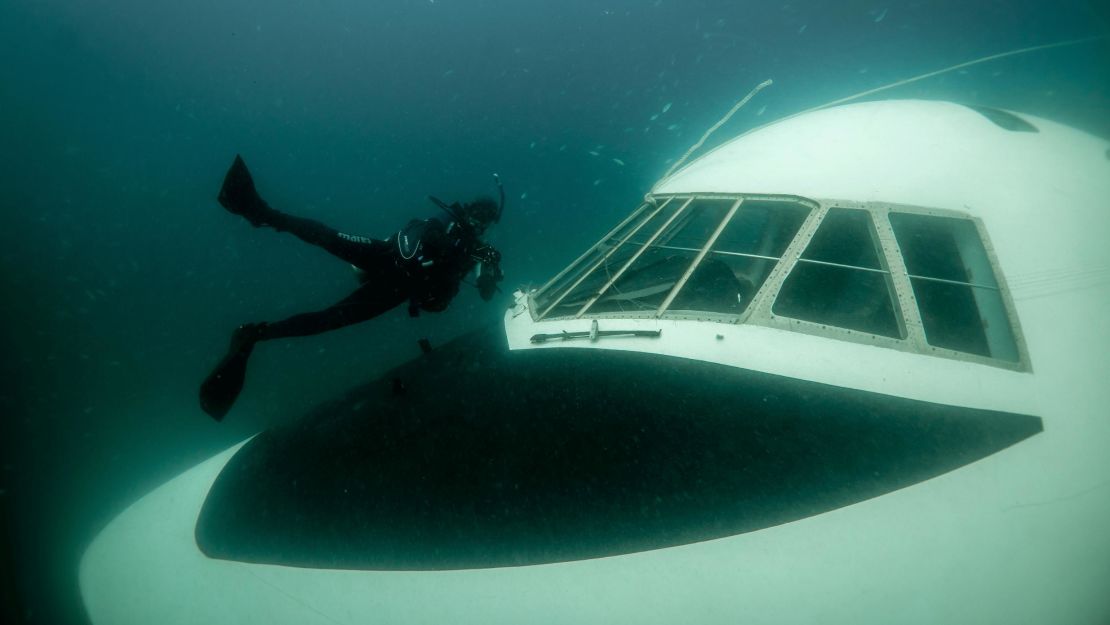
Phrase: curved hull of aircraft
x=392 y=505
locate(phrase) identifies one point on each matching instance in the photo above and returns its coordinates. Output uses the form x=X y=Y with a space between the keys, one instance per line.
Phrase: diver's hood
x=458 y=213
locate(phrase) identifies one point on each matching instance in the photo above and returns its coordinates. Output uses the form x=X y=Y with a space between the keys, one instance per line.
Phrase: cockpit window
x=607 y=251
x=841 y=279
x=914 y=279
x=957 y=293
x=664 y=259
x=590 y=275
x=701 y=254
x=750 y=246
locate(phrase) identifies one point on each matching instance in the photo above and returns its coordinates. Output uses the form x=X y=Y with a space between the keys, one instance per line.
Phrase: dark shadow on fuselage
x=496 y=458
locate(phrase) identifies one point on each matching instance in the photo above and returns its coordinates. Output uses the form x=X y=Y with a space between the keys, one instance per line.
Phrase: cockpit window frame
x=566 y=281
x=760 y=309
x=909 y=303
x=882 y=236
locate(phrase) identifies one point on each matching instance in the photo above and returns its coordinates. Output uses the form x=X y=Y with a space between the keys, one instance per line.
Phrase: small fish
x=802 y=29
x=593 y=153
x=597 y=182
x=672 y=127
x=654 y=117
x=523 y=195
x=667 y=107
x=532 y=145
x=618 y=161
x=881 y=16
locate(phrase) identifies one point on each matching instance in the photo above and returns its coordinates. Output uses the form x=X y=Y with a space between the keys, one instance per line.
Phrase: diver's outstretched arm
x=239 y=196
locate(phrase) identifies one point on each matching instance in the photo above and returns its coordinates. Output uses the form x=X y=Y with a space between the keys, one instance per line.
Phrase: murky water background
x=121 y=276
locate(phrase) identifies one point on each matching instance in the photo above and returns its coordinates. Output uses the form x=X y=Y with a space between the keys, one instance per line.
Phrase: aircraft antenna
x=713 y=128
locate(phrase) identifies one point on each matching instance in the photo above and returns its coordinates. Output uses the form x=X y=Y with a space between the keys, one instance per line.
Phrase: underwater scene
x=494 y=311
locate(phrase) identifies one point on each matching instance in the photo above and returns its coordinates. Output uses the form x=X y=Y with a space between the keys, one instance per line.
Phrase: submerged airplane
x=848 y=367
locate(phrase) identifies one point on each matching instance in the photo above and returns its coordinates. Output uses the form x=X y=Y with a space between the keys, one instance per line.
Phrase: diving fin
x=239 y=196
x=222 y=387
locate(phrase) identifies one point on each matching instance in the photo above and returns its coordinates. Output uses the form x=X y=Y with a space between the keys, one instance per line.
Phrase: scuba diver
x=422 y=264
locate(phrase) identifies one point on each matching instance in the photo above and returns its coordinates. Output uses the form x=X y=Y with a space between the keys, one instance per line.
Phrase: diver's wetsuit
x=422 y=264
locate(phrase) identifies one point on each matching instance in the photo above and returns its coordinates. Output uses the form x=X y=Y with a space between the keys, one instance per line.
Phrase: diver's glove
x=487 y=281
x=489 y=270
x=487 y=255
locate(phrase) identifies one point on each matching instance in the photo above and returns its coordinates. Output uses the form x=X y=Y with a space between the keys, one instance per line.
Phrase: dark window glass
x=585 y=264
x=930 y=247
x=840 y=280
x=593 y=282
x=692 y=230
x=725 y=280
x=956 y=290
x=762 y=228
x=748 y=249
x=651 y=277
x=845 y=238
x=657 y=221
x=597 y=275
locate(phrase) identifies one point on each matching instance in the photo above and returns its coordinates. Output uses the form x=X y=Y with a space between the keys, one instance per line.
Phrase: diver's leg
x=361 y=252
x=367 y=302
x=239 y=196
x=221 y=388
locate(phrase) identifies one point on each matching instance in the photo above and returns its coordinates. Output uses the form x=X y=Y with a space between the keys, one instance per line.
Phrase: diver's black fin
x=239 y=196
x=222 y=387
